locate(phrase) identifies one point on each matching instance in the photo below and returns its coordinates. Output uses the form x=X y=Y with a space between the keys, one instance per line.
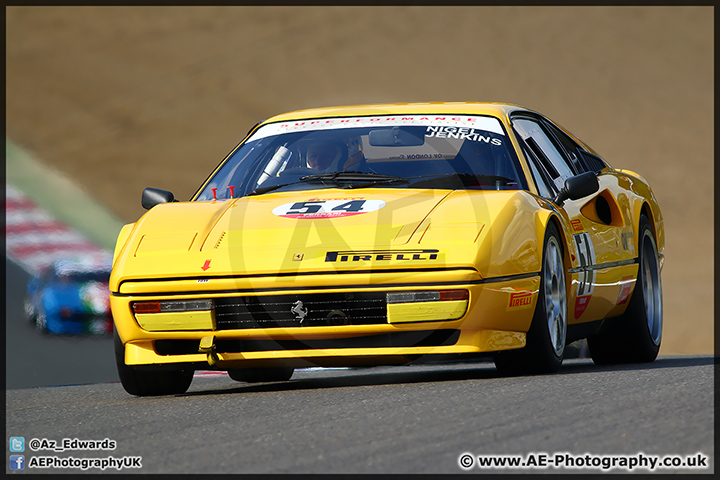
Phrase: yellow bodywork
x=176 y=321
x=486 y=242
x=426 y=311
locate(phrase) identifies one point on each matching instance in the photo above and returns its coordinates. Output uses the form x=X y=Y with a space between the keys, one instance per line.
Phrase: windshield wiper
x=340 y=179
x=348 y=180
x=369 y=178
x=466 y=179
x=270 y=188
x=306 y=179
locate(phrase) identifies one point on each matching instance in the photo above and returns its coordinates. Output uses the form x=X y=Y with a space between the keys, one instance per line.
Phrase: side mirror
x=578 y=187
x=154 y=196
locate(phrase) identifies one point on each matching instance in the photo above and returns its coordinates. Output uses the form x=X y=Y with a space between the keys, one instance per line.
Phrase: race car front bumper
x=367 y=319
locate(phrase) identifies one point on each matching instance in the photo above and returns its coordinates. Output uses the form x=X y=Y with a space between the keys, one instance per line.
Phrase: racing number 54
x=301 y=208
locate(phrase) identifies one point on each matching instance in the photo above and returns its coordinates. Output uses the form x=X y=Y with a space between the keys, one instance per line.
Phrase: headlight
x=172 y=306
x=429 y=296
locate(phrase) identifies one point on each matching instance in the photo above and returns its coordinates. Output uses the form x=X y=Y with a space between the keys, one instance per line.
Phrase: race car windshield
x=469 y=152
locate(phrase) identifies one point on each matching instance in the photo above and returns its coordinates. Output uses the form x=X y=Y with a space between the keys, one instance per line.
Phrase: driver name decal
x=335 y=208
x=461 y=133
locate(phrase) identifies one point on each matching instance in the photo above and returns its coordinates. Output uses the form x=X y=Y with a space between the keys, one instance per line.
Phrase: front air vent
x=425 y=338
x=603 y=209
x=318 y=309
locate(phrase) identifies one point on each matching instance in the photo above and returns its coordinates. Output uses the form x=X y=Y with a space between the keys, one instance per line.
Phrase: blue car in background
x=71 y=297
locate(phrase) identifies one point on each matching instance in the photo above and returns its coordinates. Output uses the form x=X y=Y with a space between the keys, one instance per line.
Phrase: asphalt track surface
x=416 y=419
x=412 y=419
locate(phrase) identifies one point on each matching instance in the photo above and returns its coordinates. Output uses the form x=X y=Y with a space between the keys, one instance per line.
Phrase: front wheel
x=635 y=336
x=545 y=344
x=147 y=383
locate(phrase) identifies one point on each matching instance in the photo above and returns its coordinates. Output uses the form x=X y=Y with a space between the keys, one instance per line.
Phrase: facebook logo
x=17 y=444
x=17 y=462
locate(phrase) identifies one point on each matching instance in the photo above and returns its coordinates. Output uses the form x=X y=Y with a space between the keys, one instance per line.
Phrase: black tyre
x=635 y=336
x=545 y=345
x=147 y=383
x=252 y=375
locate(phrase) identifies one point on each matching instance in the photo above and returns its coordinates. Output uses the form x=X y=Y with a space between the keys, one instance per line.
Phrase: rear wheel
x=545 y=345
x=274 y=374
x=635 y=336
x=146 y=383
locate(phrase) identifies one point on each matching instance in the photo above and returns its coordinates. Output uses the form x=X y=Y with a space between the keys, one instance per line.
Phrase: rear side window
x=581 y=160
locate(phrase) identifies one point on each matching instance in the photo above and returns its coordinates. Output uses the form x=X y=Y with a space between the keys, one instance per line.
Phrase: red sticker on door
x=581 y=304
x=327 y=208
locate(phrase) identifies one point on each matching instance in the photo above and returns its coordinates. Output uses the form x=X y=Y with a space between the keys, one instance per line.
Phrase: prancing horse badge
x=299 y=311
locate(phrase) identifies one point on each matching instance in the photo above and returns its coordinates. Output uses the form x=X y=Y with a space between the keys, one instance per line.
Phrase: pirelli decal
x=381 y=255
x=520 y=300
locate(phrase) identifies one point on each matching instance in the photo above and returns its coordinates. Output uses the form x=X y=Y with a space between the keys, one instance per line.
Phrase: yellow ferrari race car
x=379 y=234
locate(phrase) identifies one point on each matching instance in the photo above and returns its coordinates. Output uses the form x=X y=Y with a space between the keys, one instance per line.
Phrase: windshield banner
x=488 y=124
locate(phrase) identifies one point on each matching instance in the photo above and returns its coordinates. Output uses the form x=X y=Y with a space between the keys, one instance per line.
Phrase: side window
x=547 y=152
x=571 y=148
x=545 y=185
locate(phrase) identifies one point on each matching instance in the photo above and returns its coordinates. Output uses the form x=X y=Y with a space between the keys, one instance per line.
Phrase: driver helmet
x=321 y=155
